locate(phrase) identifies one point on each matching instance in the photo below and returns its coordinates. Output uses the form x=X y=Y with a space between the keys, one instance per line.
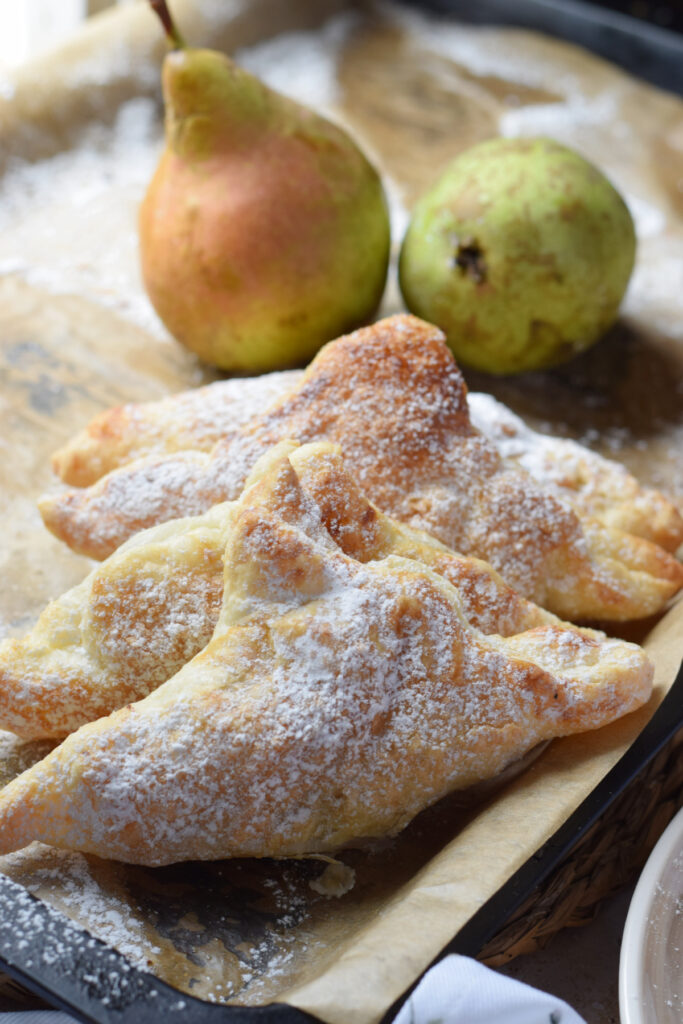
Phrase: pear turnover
x=153 y=604
x=393 y=398
x=199 y=418
x=336 y=699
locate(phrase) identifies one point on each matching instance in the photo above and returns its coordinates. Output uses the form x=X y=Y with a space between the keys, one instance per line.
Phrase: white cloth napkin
x=459 y=990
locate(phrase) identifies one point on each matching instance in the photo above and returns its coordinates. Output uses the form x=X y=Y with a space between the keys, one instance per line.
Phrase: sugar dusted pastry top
x=395 y=401
x=336 y=699
x=192 y=419
x=132 y=623
x=153 y=604
x=195 y=420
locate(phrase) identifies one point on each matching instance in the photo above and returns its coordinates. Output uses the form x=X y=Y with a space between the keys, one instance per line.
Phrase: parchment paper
x=79 y=136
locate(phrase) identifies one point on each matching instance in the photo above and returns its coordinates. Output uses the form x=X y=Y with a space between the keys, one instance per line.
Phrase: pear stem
x=160 y=7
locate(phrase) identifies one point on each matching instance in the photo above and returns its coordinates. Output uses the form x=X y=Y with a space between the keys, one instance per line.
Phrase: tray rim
x=625 y=41
x=647 y=51
x=664 y=726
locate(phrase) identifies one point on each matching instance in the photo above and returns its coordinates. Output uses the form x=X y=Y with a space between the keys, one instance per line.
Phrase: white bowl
x=651 y=962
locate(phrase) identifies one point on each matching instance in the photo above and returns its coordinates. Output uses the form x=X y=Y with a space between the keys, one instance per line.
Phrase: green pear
x=264 y=232
x=521 y=252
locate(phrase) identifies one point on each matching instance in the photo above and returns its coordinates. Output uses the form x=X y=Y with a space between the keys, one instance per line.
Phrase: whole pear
x=264 y=232
x=521 y=252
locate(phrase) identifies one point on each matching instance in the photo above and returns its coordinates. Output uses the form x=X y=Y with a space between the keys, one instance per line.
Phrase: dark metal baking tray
x=59 y=961
x=62 y=964
x=652 y=53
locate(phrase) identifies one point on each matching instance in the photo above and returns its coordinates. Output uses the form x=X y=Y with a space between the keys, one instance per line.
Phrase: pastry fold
x=336 y=699
x=153 y=605
x=393 y=398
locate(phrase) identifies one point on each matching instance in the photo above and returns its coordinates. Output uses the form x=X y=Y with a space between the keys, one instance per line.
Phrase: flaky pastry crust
x=153 y=605
x=395 y=401
x=336 y=699
x=197 y=419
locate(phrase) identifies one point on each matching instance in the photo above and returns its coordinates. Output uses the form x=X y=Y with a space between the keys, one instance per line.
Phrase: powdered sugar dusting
x=138 y=618
x=393 y=398
x=125 y=629
x=236 y=935
x=338 y=703
x=540 y=455
x=107 y=915
x=63 y=277
x=198 y=419
x=195 y=419
x=333 y=712
x=48 y=209
x=594 y=485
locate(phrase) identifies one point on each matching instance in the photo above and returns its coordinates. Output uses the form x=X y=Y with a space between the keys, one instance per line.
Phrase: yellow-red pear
x=264 y=232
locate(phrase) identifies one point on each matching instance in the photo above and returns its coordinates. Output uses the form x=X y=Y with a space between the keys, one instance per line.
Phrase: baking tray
x=61 y=963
